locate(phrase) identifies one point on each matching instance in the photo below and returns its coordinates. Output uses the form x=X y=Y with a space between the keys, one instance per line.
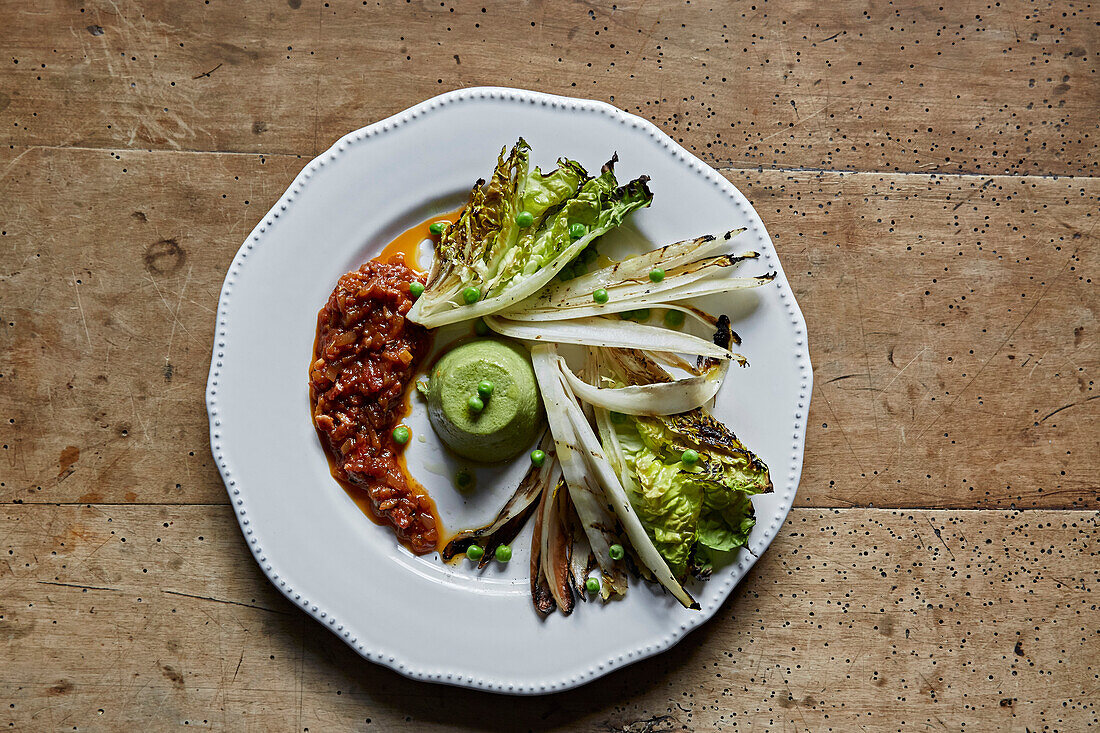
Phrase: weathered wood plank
x=1006 y=88
x=110 y=271
x=112 y=263
x=953 y=331
x=149 y=617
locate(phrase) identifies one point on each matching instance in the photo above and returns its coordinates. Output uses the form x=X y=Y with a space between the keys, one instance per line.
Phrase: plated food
x=388 y=182
x=597 y=372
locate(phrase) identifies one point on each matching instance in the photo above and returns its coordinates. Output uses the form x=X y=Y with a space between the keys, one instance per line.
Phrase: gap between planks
x=720 y=169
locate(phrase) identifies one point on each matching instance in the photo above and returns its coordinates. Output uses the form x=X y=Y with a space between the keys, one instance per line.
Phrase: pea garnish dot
x=656 y=275
x=578 y=230
x=485 y=389
x=503 y=553
x=475 y=552
x=616 y=552
x=416 y=289
x=437 y=227
x=600 y=296
x=481 y=328
x=525 y=218
x=592 y=585
x=471 y=295
x=464 y=479
x=475 y=403
x=401 y=435
x=690 y=457
x=674 y=319
x=538 y=457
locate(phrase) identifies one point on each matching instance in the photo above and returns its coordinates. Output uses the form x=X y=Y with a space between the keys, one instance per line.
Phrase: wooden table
x=929 y=173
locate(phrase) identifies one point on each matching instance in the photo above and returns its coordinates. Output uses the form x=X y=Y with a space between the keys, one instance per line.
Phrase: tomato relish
x=365 y=356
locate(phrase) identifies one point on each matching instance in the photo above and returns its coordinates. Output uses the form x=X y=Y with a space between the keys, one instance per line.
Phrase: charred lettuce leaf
x=726 y=474
x=486 y=250
x=692 y=513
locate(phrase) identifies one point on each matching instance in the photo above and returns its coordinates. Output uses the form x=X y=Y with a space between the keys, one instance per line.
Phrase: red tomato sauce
x=365 y=356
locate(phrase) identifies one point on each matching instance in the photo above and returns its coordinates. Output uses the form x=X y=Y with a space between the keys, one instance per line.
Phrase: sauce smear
x=407 y=243
x=364 y=359
x=365 y=356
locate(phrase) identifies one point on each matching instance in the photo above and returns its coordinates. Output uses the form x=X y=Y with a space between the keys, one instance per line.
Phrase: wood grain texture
x=996 y=88
x=927 y=171
x=953 y=327
x=112 y=617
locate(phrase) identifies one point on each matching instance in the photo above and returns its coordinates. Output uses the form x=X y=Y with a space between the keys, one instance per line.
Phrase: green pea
x=589 y=255
x=475 y=552
x=401 y=435
x=578 y=230
x=485 y=389
x=674 y=319
x=579 y=268
x=616 y=552
x=642 y=314
x=416 y=289
x=481 y=328
x=656 y=275
x=592 y=585
x=475 y=403
x=690 y=457
x=566 y=273
x=600 y=296
x=471 y=295
x=437 y=227
x=538 y=457
x=504 y=553
x=525 y=218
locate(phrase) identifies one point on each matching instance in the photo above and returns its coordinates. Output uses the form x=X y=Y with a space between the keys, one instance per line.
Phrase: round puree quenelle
x=483 y=400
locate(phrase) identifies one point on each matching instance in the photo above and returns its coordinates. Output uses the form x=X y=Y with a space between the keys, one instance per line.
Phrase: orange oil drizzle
x=408 y=242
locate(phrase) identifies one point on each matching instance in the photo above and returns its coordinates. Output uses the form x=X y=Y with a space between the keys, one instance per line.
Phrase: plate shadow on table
x=385 y=695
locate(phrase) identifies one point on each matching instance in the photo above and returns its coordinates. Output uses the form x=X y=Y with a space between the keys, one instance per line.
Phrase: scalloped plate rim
x=237 y=497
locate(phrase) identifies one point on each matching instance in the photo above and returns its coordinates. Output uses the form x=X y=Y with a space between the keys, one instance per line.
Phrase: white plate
x=413 y=614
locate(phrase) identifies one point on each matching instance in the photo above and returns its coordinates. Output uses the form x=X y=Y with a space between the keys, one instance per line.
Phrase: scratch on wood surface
x=13 y=161
x=1002 y=344
x=801 y=122
x=887 y=387
x=207 y=73
x=78 y=585
x=222 y=600
x=939 y=536
x=840 y=427
x=168 y=307
x=80 y=307
x=1066 y=407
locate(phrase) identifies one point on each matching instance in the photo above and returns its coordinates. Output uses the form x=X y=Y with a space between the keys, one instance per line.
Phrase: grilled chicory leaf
x=486 y=252
x=687 y=510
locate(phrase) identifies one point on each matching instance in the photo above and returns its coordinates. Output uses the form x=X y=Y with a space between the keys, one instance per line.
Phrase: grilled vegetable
x=513 y=515
x=556 y=546
x=488 y=254
x=586 y=493
x=688 y=507
x=572 y=433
